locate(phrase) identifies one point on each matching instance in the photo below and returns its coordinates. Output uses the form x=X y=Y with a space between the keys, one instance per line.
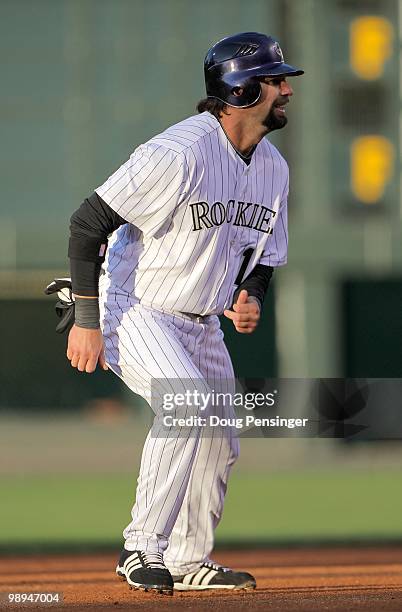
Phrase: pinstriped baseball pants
x=183 y=476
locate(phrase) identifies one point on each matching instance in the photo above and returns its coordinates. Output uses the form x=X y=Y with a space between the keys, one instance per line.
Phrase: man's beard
x=273 y=121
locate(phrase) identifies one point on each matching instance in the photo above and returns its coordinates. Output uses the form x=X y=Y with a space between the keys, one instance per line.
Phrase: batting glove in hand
x=65 y=307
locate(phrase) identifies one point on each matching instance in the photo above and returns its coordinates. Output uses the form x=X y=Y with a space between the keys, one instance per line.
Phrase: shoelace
x=153 y=559
x=215 y=566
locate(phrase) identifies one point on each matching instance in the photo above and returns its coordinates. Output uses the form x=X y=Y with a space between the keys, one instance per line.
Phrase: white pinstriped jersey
x=194 y=208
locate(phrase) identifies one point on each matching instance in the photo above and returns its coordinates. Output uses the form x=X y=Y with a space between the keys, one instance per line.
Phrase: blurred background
x=83 y=83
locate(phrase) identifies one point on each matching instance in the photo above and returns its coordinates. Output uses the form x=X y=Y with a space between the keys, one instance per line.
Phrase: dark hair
x=212 y=105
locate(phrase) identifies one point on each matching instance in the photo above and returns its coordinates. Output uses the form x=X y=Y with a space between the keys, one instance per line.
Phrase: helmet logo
x=278 y=51
x=247 y=49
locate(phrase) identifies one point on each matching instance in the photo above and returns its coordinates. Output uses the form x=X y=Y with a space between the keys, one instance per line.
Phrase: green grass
x=305 y=506
x=314 y=505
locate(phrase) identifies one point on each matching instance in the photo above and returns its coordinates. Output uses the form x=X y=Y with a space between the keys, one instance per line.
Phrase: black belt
x=199 y=318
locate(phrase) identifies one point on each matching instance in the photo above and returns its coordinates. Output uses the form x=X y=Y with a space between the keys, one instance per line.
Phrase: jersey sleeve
x=146 y=190
x=276 y=250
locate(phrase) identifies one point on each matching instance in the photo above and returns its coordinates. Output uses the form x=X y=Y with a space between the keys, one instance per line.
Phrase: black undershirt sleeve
x=256 y=283
x=90 y=227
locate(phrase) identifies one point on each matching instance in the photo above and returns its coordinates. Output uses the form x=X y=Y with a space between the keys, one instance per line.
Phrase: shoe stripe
x=207 y=577
x=131 y=560
x=132 y=566
x=132 y=569
x=199 y=577
x=135 y=562
x=188 y=578
x=133 y=557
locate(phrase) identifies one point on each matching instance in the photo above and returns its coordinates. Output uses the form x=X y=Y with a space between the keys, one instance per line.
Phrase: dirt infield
x=288 y=580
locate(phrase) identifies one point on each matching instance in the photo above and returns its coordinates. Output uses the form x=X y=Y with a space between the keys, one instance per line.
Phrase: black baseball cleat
x=212 y=575
x=145 y=571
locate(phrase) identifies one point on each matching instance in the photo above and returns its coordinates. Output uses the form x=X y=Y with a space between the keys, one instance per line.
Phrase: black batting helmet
x=240 y=61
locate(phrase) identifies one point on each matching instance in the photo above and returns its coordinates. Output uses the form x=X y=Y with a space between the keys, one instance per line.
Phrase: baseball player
x=196 y=221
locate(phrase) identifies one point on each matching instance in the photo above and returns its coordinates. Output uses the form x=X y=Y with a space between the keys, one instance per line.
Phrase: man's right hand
x=85 y=349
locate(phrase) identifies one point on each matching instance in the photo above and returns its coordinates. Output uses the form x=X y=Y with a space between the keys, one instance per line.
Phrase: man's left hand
x=245 y=314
